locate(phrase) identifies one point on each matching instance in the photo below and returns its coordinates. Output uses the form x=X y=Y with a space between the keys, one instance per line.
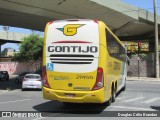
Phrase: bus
x=83 y=62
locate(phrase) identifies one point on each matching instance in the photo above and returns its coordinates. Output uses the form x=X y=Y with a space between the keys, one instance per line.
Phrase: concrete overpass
x=128 y=22
x=11 y=37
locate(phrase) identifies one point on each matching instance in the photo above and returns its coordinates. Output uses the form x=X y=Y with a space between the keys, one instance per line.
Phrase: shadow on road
x=70 y=109
x=73 y=109
x=9 y=85
x=156 y=108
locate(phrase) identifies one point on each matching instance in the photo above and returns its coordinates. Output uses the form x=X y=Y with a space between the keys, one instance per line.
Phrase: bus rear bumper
x=96 y=96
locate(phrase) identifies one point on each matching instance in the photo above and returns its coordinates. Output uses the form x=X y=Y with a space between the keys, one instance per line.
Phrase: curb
x=3 y=91
x=7 y=91
x=143 y=79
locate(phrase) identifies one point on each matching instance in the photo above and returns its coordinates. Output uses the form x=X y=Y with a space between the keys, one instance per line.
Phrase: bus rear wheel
x=112 y=98
x=113 y=95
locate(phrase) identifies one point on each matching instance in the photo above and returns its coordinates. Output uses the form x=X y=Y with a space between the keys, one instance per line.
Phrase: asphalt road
x=139 y=96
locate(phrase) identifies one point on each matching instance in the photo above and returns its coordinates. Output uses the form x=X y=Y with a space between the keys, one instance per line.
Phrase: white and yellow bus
x=83 y=62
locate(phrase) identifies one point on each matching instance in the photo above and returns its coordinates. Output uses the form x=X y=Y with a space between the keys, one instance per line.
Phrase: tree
x=31 y=49
x=4 y=52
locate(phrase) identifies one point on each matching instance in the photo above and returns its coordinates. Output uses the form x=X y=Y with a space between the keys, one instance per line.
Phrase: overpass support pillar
x=151 y=46
x=152 y=50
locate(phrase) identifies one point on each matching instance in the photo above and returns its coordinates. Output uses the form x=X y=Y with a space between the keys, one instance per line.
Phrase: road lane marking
x=133 y=108
x=151 y=100
x=118 y=98
x=51 y=115
x=134 y=99
x=14 y=101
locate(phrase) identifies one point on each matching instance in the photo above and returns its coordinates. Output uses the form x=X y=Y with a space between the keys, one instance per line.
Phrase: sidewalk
x=143 y=79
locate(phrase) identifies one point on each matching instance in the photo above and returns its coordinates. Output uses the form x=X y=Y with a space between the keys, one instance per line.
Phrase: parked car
x=20 y=77
x=4 y=75
x=33 y=81
x=38 y=72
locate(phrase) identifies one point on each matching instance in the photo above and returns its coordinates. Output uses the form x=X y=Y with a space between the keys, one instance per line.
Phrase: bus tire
x=113 y=95
x=108 y=103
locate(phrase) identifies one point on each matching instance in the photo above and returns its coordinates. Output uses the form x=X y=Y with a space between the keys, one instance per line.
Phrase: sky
x=145 y=4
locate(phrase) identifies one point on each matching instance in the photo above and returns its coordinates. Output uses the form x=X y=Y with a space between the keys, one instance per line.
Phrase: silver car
x=32 y=81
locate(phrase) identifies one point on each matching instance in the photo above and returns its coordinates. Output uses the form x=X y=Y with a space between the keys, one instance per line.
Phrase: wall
x=146 y=66
x=17 y=68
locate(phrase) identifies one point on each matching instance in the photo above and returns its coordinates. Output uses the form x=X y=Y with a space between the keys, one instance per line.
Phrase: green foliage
x=30 y=49
x=4 y=52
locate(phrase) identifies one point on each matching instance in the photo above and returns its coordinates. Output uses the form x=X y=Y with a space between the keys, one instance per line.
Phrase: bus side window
x=115 y=49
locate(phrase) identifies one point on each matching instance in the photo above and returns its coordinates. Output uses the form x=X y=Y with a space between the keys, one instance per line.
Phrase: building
x=8 y=52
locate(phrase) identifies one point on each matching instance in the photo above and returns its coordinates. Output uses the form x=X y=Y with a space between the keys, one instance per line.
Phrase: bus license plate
x=69 y=95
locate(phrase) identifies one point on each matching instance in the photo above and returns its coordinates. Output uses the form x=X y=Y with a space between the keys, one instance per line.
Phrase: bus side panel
x=44 y=45
x=117 y=60
x=123 y=76
x=103 y=61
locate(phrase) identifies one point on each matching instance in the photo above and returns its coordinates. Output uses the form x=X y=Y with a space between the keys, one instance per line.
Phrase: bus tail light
x=99 y=81
x=44 y=77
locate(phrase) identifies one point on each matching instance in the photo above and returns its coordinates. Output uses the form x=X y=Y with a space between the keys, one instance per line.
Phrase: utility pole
x=156 y=42
x=139 y=49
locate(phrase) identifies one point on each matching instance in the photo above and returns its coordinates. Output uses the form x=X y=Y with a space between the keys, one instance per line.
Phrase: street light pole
x=156 y=42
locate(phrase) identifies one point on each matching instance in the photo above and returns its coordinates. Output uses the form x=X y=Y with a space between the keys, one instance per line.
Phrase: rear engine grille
x=71 y=59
